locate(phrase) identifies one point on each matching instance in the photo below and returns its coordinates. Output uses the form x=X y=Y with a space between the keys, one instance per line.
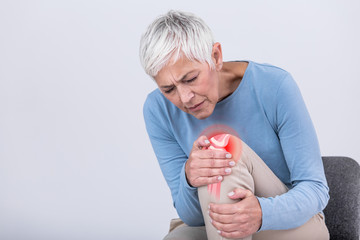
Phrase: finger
x=233 y=235
x=201 y=142
x=215 y=163
x=225 y=227
x=229 y=208
x=239 y=193
x=213 y=154
x=202 y=181
x=222 y=218
x=210 y=172
x=210 y=163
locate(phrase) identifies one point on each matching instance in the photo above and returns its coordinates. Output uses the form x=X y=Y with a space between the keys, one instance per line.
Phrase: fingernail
x=220 y=178
x=228 y=170
x=207 y=141
x=208 y=206
x=218 y=231
x=228 y=155
x=231 y=194
x=210 y=220
x=232 y=163
x=208 y=212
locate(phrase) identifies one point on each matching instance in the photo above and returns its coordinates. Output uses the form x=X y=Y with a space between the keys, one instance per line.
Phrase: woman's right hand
x=206 y=166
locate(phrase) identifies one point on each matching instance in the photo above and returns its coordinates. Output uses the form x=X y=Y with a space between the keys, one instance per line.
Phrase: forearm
x=295 y=207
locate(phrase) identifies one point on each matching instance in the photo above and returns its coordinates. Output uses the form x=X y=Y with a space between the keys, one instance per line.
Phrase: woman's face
x=191 y=86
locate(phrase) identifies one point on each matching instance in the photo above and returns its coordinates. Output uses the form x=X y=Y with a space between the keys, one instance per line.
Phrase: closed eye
x=169 y=90
x=191 y=80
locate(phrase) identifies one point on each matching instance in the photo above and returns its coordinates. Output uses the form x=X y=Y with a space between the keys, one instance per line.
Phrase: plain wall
x=75 y=159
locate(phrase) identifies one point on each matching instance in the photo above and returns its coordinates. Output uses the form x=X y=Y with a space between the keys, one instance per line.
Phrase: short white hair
x=173 y=35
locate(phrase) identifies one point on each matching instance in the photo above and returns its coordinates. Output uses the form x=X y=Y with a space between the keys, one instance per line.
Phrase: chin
x=202 y=115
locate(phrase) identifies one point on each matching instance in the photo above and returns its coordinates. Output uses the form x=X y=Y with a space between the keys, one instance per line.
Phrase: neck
x=230 y=77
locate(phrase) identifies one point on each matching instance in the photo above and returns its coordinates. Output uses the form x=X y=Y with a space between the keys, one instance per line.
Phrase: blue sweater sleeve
x=309 y=192
x=172 y=161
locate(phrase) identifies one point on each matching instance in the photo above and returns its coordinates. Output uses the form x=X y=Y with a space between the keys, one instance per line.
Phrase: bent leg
x=253 y=174
x=249 y=173
x=314 y=229
x=181 y=231
x=240 y=177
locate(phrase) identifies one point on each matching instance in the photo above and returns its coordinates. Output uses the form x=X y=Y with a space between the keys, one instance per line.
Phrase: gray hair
x=173 y=35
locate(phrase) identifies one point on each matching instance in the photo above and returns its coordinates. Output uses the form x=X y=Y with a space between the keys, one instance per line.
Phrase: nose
x=185 y=94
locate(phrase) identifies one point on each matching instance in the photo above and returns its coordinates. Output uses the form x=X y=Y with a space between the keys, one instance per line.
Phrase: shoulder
x=267 y=68
x=152 y=97
x=158 y=110
x=267 y=77
x=272 y=87
x=269 y=82
x=155 y=102
x=154 y=114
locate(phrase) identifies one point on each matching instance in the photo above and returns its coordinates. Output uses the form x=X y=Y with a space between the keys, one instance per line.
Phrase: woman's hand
x=237 y=220
x=206 y=166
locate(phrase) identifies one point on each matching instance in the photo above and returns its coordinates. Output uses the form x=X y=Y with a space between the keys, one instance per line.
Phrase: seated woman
x=267 y=181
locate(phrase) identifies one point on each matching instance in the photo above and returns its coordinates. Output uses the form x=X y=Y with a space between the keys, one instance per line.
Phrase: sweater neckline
x=231 y=96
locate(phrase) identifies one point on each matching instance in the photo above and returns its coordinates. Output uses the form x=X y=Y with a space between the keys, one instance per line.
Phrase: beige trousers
x=253 y=174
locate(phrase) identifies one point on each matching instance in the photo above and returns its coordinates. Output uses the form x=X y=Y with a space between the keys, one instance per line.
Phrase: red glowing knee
x=224 y=142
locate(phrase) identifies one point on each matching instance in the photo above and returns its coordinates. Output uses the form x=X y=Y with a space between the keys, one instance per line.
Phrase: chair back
x=342 y=212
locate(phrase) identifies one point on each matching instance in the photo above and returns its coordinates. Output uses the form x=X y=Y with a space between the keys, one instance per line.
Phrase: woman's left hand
x=237 y=220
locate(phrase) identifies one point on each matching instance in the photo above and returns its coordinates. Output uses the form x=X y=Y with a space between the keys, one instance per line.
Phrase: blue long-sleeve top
x=267 y=111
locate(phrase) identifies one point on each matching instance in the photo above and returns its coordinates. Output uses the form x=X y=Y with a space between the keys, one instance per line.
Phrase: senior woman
x=272 y=181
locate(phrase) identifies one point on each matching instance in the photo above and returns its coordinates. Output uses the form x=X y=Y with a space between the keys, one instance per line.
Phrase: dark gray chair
x=342 y=212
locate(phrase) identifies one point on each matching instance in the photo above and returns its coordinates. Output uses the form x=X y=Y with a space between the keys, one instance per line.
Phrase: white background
x=75 y=159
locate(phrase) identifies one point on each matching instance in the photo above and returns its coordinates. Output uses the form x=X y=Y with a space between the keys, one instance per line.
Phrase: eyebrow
x=183 y=77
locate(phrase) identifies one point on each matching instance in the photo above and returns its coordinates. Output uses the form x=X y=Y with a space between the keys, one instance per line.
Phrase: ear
x=216 y=56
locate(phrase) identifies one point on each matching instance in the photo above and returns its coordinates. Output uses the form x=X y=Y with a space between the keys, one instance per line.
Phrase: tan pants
x=250 y=173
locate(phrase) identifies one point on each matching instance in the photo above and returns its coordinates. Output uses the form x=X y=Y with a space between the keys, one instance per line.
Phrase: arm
x=201 y=168
x=297 y=136
x=172 y=161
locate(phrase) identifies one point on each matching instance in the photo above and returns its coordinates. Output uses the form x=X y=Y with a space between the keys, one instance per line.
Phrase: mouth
x=196 y=107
